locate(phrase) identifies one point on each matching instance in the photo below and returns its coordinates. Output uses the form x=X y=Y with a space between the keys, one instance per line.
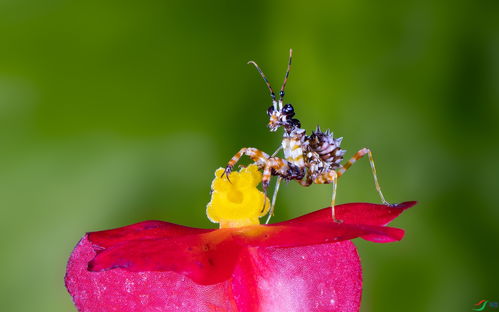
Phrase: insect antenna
x=281 y=94
x=272 y=94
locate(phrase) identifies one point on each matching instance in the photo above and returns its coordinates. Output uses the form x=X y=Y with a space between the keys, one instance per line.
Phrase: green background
x=113 y=112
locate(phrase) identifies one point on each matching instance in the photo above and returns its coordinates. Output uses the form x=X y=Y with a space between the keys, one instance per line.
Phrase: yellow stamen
x=238 y=202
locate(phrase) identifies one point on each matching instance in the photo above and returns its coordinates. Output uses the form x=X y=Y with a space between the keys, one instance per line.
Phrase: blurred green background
x=113 y=112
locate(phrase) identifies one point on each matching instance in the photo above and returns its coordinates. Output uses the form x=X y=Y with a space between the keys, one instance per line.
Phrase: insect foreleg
x=260 y=158
x=267 y=174
x=277 y=167
x=358 y=156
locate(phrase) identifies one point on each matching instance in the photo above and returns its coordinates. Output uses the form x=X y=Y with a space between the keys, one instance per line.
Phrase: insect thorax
x=292 y=144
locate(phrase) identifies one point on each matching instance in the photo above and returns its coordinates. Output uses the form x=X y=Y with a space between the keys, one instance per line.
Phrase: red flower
x=304 y=264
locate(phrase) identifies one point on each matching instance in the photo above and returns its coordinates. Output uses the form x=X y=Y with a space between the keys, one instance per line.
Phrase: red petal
x=356 y=213
x=142 y=230
x=125 y=291
x=315 y=278
x=313 y=233
x=207 y=258
x=210 y=258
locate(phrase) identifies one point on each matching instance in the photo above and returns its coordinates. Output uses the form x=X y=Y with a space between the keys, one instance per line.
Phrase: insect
x=308 y=159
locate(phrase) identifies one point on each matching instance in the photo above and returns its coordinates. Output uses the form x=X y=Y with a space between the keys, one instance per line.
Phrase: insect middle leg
x=329 y=177
x=274 y=166
x=358 y=156
x=274 y=197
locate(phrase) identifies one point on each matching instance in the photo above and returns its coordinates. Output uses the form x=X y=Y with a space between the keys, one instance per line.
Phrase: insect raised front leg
x=260 y=158
x=358 y=156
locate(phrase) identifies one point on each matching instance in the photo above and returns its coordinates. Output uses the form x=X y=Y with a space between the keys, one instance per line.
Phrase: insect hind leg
x=361 y=153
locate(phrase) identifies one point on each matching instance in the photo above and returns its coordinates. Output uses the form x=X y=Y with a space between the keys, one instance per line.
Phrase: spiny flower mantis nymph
x=308 y=159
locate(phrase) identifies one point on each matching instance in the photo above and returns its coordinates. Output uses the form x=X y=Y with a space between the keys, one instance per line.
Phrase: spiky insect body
x=324 y=153
x=308 y=159
x=310 y=156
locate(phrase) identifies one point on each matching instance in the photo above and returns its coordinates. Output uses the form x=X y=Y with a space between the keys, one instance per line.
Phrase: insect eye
x=270 y=110
x=288 y=110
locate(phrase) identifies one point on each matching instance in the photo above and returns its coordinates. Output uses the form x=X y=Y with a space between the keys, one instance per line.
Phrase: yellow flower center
x=237 y=202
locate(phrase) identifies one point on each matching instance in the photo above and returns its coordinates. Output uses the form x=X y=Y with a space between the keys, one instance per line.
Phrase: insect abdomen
x=327 y=147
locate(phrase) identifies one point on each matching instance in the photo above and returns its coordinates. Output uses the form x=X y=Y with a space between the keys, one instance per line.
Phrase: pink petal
x=315 y=278
x=323 y=277
x=230 y=267
x=356 y=213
